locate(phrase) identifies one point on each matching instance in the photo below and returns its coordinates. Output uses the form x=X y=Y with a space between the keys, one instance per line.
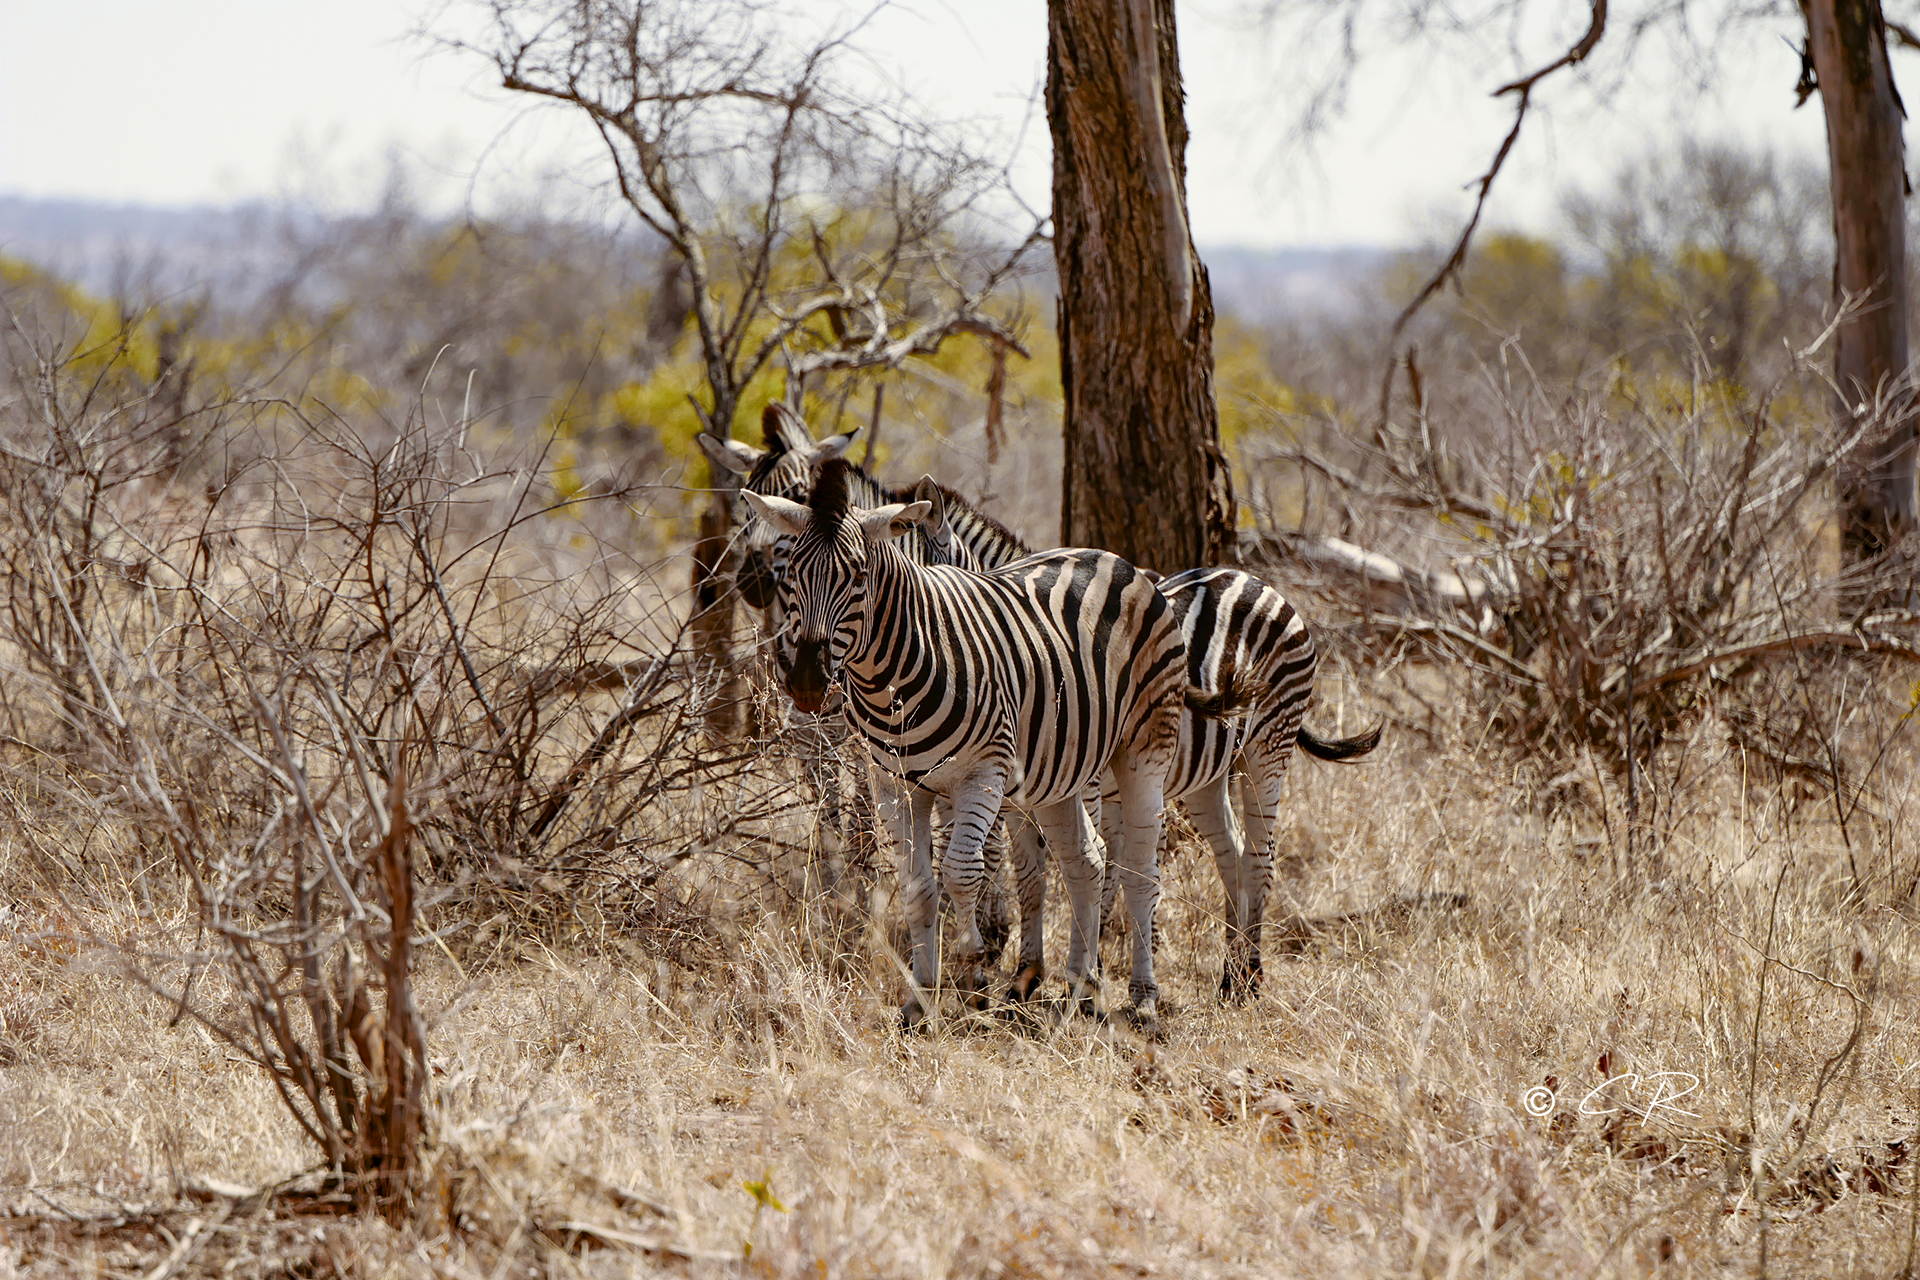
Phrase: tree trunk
x=1847 y=42
x=711 y=622
x=1144 y=474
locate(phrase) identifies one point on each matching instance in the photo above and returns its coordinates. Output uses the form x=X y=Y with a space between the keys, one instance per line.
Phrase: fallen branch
x=1786 y=644
x=1396 y=587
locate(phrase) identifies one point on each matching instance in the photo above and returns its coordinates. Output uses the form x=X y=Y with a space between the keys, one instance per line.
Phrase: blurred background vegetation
x=1696 y=274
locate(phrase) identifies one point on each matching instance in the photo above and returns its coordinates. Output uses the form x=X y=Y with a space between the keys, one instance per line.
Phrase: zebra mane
x=775 y=454
x=992 y=542
x=831 y=498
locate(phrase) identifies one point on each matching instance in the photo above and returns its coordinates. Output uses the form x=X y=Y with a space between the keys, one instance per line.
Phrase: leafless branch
x=1457 y=256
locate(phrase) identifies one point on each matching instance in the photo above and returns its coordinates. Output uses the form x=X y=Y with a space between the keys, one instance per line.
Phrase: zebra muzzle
x=807 y=682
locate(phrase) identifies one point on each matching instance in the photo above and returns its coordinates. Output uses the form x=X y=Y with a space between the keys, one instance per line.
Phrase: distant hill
x=1261 y=285
x=151 y=251
x=147 y=250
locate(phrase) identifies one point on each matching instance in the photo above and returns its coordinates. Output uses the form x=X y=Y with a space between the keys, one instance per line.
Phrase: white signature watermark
x=1644 y=1095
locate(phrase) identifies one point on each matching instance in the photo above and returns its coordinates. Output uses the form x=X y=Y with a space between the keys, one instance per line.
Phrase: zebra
x=785 y=468
x=1243 y=637
x=1019 y=686
x=1249 y=649
x=1244 y=641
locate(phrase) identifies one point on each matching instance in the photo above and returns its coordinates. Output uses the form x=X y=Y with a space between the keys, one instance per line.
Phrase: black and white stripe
x=1019 y=686
x=1248 y=645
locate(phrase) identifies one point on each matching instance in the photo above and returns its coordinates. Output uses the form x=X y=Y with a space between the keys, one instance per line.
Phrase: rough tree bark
x=1848 y=47
x=1144 y=474
x=712 y=622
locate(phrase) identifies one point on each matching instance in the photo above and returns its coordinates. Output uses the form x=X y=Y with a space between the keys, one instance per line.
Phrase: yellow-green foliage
x=1517 y=284
x=661 y=406
x=100 y=339
x=1252 y=397
x=1692 y=294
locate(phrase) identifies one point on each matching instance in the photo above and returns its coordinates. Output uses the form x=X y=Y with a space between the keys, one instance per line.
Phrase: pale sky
x=215 y=101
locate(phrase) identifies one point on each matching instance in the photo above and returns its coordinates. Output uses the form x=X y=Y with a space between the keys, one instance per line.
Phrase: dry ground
x=602 y=1110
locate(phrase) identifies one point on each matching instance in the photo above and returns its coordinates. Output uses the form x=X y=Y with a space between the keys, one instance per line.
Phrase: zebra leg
x=992 y=907
x=976 y=806
x=1212 y=814
x=1142 y=809
x=1030 y=886
x=824 y=771
x=1070 y=836
x=1260 y=801
x=1106 y=803
x=911 y=809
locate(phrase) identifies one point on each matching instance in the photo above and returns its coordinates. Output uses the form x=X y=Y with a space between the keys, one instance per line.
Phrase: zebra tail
x=1340 y=748
x=1233 y=698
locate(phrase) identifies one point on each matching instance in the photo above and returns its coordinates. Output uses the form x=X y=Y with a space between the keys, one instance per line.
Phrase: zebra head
x=822 y=595
x=784 y=469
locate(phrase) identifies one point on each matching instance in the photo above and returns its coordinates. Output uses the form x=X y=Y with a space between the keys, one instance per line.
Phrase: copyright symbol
x=1538 y=1100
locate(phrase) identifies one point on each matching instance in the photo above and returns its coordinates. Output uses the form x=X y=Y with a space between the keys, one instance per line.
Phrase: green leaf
x=761 y=1192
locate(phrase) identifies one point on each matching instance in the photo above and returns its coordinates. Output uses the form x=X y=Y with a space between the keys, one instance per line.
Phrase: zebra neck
x=893 y=635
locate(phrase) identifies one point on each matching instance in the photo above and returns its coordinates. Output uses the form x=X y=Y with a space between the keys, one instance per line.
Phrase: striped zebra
x=1247 y=648
x=785 y=468
x=1020 y=686
x=1245 y=643
x=1242 y=636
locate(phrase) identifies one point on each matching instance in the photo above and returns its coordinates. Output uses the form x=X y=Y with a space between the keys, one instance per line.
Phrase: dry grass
x=1364 y=1117
x=658 y=1000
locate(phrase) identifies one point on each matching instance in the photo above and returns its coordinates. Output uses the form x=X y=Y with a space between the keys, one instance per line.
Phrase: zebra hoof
x=1237 y=986
x=1026 y=984
x=1085 y=996
x=1144 y=1017
x=913 y=1017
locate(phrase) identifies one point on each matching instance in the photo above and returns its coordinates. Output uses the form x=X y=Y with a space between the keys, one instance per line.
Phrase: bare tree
x=1144 y=474
x=1845 y=59
x=1847 y=53
x=1718 y=250
x=832 y=231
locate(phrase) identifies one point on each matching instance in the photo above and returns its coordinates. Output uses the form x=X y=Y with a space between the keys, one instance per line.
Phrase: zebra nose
x=807 y=679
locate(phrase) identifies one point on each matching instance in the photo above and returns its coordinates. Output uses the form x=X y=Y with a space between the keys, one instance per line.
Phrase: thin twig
x=1455 y=260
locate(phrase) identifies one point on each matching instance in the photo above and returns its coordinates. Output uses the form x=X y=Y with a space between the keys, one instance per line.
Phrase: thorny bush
x=353 y=687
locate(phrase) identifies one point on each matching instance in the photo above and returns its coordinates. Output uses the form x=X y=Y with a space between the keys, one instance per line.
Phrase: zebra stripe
x=785 y=468
x=1019 y=686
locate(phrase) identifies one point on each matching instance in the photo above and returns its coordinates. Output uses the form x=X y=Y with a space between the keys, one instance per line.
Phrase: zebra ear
x=789 y=518
x=894 y=519
x=736 y=456
x=837 y=446
x=928 y=492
